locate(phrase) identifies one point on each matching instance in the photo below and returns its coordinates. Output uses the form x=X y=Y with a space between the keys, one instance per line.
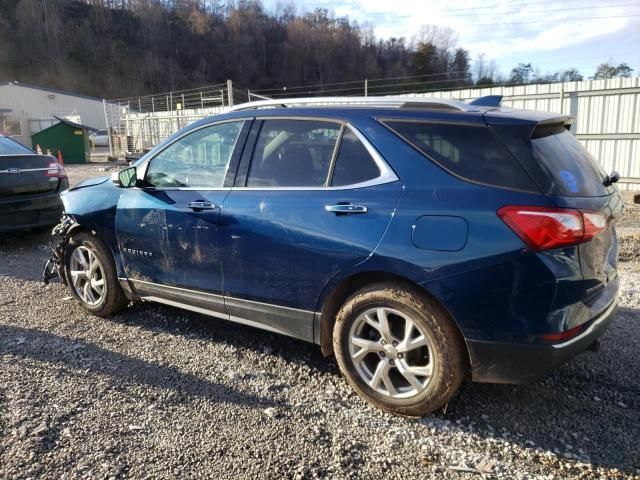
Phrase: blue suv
x=419 y=241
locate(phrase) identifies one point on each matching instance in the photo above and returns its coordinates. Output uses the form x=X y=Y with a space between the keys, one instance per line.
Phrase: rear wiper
x=611 y=179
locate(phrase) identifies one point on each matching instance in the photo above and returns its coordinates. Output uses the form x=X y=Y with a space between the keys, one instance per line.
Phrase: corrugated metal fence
x=607 y=117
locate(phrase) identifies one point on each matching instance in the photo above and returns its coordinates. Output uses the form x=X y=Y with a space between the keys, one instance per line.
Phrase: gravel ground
x=156 y=392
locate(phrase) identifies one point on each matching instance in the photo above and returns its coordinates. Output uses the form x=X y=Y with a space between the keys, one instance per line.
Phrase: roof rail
x=397 y=102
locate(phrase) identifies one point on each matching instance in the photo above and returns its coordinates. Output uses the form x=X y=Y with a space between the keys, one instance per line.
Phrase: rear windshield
x=468 y=151
x=572 y=169
x=11 y=147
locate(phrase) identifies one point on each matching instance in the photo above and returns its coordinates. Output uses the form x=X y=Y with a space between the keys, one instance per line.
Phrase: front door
x=314 y=202
x=167 y=227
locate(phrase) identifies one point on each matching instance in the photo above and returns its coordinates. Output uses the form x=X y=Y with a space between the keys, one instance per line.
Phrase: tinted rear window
x=11 y=147
x=572 y=169
x=471 y=152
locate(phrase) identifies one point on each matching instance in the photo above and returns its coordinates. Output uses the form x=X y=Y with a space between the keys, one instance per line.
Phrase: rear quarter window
x=467 y=151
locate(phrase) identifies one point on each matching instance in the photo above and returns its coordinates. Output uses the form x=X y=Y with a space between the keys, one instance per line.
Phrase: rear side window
x=354 y=163
x=11 y=147
x=470 y=152
x=572 y=169
x=293 y=153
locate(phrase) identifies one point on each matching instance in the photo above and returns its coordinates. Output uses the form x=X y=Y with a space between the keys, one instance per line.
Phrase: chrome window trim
x=387 y=175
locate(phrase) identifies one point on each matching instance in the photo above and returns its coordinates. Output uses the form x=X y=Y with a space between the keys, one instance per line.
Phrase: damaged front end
x=55 y=265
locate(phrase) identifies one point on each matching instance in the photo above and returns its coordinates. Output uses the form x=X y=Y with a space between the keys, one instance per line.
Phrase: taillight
x=563 y=336
x=594 y=223
x=56 y=170
x=542 y=228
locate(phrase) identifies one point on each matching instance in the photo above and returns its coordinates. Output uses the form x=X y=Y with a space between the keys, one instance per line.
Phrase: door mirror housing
x=126 y=178
x=610 y=179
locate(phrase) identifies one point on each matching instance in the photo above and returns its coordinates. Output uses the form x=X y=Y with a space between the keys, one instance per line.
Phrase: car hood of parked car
x=89 y=183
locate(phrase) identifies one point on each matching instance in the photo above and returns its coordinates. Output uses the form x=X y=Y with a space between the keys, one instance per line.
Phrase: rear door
x=312 y=198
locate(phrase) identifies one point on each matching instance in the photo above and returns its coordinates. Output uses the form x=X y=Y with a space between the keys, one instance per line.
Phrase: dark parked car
x=420 y=241
x=30 y=186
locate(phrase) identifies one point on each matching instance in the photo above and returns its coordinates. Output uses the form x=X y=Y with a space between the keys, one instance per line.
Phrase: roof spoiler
x=487 y=101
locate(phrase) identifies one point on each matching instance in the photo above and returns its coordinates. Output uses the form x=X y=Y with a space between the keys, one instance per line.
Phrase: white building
x=27 y=109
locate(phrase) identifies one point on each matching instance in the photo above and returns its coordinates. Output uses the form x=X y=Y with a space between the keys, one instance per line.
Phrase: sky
x=552 y=35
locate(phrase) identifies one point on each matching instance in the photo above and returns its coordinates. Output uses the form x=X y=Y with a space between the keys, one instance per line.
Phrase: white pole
x=230 y=92
x=106 y=121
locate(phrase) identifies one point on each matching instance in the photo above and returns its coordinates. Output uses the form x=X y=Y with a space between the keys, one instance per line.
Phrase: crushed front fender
x=54 y=268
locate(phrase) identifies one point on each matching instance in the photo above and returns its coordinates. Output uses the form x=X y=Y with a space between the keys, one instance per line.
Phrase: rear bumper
x=495 y=362
x=18 y=213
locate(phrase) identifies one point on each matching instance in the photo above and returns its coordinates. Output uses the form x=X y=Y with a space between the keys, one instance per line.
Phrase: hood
x=89 y=183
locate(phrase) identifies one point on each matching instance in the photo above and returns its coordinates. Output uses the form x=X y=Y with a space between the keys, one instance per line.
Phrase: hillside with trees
x=116 y=48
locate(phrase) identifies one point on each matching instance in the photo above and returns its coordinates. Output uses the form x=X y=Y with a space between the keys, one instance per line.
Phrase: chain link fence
x=137 y=124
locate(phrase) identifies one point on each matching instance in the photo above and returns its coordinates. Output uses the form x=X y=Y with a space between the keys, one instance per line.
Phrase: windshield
x=573 y=170
x=11 y=147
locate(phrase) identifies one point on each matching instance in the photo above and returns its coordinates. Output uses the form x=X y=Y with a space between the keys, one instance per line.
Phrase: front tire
x=91 y=275
x=399 y=349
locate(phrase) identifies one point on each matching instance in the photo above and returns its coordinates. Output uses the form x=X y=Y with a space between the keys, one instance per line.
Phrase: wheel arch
x=338 y=294
x=80 y=226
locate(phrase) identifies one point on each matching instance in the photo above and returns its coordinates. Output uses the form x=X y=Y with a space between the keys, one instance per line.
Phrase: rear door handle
x=201 y=205
x=346 y=208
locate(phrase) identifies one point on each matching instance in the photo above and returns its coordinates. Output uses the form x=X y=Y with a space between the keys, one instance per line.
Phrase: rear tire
x=91 y=275
x=399 y=349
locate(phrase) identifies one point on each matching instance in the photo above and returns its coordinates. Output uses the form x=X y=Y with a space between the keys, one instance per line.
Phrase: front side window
x=293 y=153
x=199 y=159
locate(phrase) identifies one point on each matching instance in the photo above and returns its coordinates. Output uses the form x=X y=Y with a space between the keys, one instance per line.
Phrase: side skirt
x=288 y=321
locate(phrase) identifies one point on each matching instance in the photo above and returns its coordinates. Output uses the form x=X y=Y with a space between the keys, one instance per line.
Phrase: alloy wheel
x=391 y=353
x=87 y=275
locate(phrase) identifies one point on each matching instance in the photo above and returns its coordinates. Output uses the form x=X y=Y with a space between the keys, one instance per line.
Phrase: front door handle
x=201 y=205
x=343 y=208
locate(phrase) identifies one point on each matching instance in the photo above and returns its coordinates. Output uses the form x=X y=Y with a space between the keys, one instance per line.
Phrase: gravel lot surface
x=156 y=392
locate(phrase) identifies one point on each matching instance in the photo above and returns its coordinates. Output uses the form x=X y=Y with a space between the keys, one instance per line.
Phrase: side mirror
x=611 y=179
x=615 y=176
x=126 y=178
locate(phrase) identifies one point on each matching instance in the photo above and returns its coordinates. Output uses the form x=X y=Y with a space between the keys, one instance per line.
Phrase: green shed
x=69 y=138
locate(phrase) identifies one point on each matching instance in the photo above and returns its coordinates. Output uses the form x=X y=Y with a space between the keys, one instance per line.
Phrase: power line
x=376 y=82
x=559 y=20
x=287 y=88
x=634 y=4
